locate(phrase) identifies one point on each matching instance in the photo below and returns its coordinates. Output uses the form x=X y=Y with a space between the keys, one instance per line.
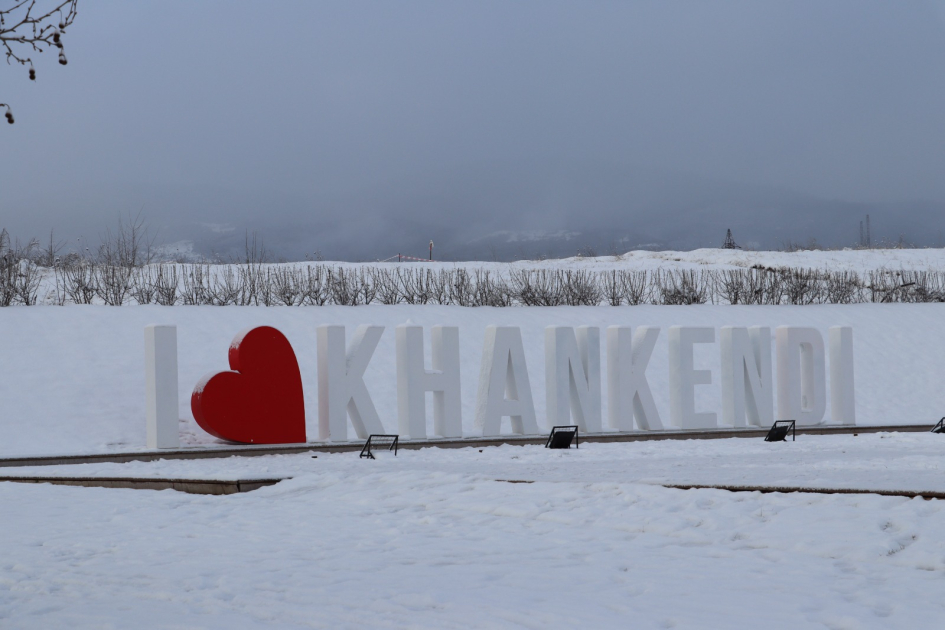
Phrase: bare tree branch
x=26 y=27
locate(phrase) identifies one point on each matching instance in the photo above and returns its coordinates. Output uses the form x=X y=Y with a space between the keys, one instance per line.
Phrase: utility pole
x=431 y=250
x=868 y=241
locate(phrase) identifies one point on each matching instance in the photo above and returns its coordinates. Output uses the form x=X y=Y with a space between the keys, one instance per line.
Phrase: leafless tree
x=33 y=26
x=129 y=245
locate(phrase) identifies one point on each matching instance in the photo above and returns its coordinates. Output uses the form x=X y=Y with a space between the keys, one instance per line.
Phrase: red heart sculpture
x=260 y=401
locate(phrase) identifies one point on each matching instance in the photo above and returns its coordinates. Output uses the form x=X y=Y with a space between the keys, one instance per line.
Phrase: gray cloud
x=364 y=129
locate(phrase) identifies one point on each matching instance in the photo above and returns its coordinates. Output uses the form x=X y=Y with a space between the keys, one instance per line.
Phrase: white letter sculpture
x=504 y=389
x=341 y=389
x=628 y=392
x=802 y=387
x=683 y=378
x=747 y=386
x=160 y=377
x=572 y=376
x=414 y=381
x=842 y=405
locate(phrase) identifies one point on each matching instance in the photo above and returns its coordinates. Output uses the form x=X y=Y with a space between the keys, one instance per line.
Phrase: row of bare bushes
x=25 y=281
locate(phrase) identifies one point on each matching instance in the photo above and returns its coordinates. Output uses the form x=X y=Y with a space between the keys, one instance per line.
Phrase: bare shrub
x=611 y=287
x=368 y=291
x=439 y=283
x=580 y=288
x=801 y=286
x=315 y=288
x=491 y=290
x=254 y=282
x=113 y=283
x=225 y=287
x=413 y=287
x=735 y=286
x=386 y=285
x=58 y=293
x=195 y=285
x=251 y=281
x=462 y=289
x=682 y=286
x=537 y=287
x=28 y=278
x=769 y=286
x=287 y=284
x=842 y=287
x=20 y=277
x=78 y=280
x=165 y=285
x=635 y=286
x=142 y=285
x=928 y=286
x=886 y=286
x=350 y=287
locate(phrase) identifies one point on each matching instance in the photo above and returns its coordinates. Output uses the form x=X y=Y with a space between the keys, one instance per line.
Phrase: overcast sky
x=361 y=128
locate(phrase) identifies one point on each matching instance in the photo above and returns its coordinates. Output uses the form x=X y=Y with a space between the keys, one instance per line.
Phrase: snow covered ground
x=869 y=461
x=859 y=260
x=430 y=539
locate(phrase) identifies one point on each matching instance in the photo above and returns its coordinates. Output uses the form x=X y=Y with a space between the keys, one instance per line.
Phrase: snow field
x=430 y=539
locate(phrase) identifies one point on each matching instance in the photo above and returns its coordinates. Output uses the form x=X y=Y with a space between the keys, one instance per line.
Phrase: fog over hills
x=500 y=130
x=511 y=212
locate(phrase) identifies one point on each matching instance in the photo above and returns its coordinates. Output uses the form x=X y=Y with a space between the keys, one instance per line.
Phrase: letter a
x=504 y=389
